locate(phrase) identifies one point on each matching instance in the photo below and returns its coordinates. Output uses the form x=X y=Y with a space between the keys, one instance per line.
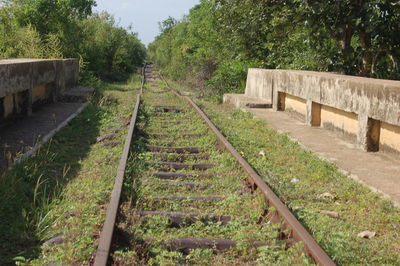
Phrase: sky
x=144 y=15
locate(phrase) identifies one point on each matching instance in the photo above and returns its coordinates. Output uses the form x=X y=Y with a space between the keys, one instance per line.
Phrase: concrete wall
x=26 y=83
x=339 y=120
x=259 y=84
x=367 y=109
x=296 y=105
x=71 y=72
x=389 y=137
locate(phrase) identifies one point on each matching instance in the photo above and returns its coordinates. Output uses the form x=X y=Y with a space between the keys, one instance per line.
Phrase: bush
x=230 y=76
x=59 y=29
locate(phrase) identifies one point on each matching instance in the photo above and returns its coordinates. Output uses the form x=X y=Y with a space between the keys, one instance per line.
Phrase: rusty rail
x=103 y=250
x=298 y=231
x=143 y=78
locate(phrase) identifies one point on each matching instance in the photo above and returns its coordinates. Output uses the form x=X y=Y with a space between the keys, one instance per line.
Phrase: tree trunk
x=345 y=45
x=365 y=40
x=345 y=38
x=377 y=56
x=395 y=61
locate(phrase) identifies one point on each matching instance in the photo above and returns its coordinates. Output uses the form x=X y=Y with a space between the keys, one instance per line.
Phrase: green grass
x=144 y=240
x=359 y=209
x=64 y=188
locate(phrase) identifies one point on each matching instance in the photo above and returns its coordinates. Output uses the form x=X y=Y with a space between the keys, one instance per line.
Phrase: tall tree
x=373 y=22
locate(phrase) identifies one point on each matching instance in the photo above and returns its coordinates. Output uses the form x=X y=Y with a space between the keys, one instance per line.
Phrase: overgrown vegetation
x=60 y=194
x=215 y=44
x=310 y=186
x=144 y=241
x=64 y=29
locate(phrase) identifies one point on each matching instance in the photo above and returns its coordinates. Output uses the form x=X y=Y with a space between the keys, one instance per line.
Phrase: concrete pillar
x=274 y=100
x=21 y=102
x=30 y=93
x=278 y=103
x=60 y=78
x=313 y=116
x=368 y=133
x=2 y=115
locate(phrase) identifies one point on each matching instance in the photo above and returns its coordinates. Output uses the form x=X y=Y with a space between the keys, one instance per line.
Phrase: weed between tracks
x=285 y=160
x=63 y=189
x=144 y=240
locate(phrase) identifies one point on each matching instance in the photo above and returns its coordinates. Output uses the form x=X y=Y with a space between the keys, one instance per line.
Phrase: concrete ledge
x=241 y=101
x=364 y=108
x=26 y=83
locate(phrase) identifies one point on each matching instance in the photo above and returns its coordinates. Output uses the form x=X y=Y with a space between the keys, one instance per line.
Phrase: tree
x=219 y=39
x=67 y=28
x=167 y=25
x=373 y=22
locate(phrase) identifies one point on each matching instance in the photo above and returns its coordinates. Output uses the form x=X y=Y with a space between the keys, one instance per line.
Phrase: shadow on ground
x=28 y=191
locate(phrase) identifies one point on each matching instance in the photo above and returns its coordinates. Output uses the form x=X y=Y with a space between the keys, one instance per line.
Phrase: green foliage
x=190 y=50
x=67 y=28
x=229 y=76
x=110 y=51
x=219 y=36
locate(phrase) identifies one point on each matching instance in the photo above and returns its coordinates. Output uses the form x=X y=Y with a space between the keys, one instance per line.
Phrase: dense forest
x=69 y=28
x=219 y=39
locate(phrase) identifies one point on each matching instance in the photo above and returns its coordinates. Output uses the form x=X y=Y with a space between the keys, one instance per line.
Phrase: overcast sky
x=144 y=15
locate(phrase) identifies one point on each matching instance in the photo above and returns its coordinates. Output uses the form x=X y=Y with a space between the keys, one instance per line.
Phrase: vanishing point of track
x=187 y=167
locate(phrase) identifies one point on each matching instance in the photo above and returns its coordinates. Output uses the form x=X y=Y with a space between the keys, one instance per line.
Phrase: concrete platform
x=19 y=137
x=379 y=171
x=241 y=101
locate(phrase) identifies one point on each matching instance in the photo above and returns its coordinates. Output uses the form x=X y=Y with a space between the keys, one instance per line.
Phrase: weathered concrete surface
x=32 y=82
x=375 y=98
x=377 y=170
x=77 y=94
x=18 y=75
x=259 y=78
x=241 y=100
x=258 y=93
x=357 y=107
x=71 y=72
x=14 y=77
x=21 y=136
x=371 y=101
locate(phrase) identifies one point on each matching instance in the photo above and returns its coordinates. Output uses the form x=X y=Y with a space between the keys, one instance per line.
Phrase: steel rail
x=143 y=78
x=103 y=249
x=298 y=231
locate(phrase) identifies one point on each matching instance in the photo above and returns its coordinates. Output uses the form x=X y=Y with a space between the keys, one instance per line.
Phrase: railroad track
x=189 y=197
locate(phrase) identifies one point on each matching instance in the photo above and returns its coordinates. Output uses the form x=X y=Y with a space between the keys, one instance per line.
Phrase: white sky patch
x=145 y=15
